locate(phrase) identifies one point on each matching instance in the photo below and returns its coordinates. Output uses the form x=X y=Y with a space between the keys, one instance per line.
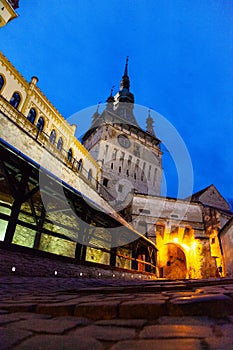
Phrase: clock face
x=124 y=141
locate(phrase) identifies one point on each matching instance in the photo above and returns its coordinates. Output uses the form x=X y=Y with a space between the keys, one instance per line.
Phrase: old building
x=100 y=201
x=184 y=231
x=7 y=11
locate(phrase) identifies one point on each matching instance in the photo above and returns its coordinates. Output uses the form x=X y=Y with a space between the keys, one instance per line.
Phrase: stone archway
x=175 y=265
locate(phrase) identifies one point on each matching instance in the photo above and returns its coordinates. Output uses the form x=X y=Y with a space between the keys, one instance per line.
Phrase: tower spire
x=126 y=66
x=125 y=83
x=125 y=98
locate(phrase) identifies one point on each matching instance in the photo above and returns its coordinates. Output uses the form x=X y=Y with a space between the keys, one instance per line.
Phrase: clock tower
x=129 y=156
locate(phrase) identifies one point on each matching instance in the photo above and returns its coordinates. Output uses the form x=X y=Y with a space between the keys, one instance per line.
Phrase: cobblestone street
x=81 y=313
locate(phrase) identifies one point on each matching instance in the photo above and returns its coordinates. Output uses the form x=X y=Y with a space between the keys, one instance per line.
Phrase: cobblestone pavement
x=102 y=314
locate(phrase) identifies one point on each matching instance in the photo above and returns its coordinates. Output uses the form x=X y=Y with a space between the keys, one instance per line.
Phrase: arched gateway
x=173 y=265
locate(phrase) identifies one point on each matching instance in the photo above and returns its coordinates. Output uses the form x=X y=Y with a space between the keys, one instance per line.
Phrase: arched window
x=80 y=165
x=15 y=99
x=32 y=115
x=60 y=144
x=89 y=176
x=70 y=155
x=2 y=81
x=40 y=124
x=52 y=136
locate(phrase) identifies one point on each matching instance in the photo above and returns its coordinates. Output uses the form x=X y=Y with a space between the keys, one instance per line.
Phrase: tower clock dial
x=124 y=141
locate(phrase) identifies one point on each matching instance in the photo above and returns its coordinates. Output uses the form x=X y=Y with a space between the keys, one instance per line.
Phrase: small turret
x=110 y=100
x=150 y=124
x=96 y=114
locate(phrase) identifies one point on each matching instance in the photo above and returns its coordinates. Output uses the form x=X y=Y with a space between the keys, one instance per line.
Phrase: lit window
x=89 y=176
x=70 y=155
x=1 y=82
x=212 y=240
x=187 y=232
x=40 y=124
x=15 y=99
x=160 y=230
x=80 y=165
x=52 y=136
x=32 y=115
x=60 y=144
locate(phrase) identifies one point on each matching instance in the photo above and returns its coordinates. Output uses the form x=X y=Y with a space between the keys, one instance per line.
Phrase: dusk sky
x=180 y=65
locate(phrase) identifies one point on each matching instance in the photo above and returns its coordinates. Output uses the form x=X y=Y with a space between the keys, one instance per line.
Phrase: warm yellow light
x=175 y=240
x=194 y=245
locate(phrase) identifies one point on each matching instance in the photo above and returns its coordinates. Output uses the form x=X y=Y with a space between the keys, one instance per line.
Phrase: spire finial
x=126 y=66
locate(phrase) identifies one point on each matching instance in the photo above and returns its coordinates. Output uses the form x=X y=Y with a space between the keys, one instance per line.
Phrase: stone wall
x=226 y=238
x=27 y=262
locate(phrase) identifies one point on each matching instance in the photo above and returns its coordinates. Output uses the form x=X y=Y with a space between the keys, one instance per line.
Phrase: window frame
x=13 y=104
x=29 y=116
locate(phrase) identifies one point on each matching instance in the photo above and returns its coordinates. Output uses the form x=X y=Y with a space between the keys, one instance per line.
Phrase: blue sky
x=181 y=59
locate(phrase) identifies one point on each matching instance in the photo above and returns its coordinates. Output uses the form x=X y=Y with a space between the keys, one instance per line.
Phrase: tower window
x=105 y=182
x=114 y=154
x=2 y=81
x=120 y=188
x=15 y=99
x=129 y=161
x=32 y=115
x=155 y=176
x=119 y=169
x=127 y=172
x=111 y=165
x=40 y=124
x=60 y=144
x=52 y=136
x=149 y=172
x=122 y=157
x=135 y=176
